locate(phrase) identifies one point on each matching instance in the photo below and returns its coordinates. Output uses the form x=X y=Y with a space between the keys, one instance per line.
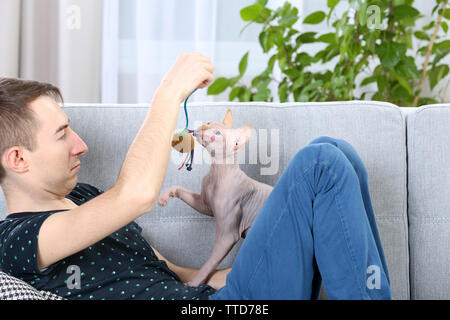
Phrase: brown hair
x=18 y=124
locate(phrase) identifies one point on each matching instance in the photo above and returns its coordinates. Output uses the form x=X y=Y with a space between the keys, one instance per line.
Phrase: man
x=317 y=223
x=37 y=175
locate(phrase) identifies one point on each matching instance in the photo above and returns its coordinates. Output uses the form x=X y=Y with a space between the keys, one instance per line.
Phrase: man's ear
x=13 y=159
x=242 y=137
x=228 y=120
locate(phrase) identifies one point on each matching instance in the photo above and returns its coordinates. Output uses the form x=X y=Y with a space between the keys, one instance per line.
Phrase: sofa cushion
x=429 y=201
x=14 y=289
x=375 y=129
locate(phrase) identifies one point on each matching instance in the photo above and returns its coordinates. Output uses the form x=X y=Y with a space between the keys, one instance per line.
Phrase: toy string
x=191 y=158
x=186 y=114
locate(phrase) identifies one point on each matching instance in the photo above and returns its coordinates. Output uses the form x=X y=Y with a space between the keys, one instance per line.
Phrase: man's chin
x=72 y=183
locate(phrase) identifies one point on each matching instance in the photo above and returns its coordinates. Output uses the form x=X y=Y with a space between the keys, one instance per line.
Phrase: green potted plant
x=377 y=31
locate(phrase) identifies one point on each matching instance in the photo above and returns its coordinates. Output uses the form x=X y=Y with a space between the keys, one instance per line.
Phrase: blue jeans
x=317 y=224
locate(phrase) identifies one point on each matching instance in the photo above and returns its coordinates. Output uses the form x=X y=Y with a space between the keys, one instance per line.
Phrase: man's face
x=53 y=164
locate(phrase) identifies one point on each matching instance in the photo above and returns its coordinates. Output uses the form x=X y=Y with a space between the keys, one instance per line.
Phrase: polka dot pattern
x=120 y=266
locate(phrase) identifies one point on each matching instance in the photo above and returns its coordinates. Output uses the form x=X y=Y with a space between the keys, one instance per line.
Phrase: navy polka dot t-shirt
x=121 y=266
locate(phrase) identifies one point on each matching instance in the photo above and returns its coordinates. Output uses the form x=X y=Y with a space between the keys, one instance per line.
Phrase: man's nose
x=79 y=147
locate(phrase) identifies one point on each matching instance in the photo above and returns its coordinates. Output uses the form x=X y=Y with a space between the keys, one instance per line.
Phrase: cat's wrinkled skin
x=227 y=193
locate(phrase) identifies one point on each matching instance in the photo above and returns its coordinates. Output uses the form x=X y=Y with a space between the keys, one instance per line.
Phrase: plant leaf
x=446 y=13
x=307 y=37
x=405 y=11
x=252 y=12
x=327 y=38
x=315 y=17
x=381 y=82
x=390 y=53
x=441 y=46
x=444 y=26
x=399 y=92
x=402 y=82
x=421 y=35
x=234 y=93
x=243 y=64
x=288 y=20
x=263 y=2
x=407 y=68
x=437 y=73
x=332 y=3
x=368 y=80
x=218 y=86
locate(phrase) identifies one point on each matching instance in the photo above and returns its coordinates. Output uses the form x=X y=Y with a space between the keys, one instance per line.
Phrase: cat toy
x=183 y=142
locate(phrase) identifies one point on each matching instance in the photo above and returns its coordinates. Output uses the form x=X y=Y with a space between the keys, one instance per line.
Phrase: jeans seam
x=345 y=230
x=339 y=207
x=343 y=225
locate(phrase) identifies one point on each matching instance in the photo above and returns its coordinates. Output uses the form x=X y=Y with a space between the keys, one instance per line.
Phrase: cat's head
x=221 y=138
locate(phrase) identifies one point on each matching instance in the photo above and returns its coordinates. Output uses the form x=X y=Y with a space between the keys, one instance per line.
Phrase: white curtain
x=9 y=37
x=57 y=41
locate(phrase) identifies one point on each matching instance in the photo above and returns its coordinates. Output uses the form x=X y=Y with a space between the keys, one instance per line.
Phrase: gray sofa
x=406 y=152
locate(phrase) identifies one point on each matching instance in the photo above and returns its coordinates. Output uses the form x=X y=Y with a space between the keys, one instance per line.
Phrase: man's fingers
x=206 y=82
x=208 y=66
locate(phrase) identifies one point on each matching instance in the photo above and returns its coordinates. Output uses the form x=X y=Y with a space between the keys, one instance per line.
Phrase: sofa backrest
x=429 y=201
x=377 y=131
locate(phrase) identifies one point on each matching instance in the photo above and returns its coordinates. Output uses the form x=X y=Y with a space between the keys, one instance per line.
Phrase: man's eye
x=218 y=133
x=63 y=137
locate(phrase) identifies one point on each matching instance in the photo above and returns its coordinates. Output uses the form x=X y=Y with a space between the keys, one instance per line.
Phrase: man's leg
x=314 y=220
x=361 y=172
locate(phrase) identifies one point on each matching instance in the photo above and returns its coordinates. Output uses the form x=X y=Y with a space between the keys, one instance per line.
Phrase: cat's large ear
x=243 y=135
x=228 y=120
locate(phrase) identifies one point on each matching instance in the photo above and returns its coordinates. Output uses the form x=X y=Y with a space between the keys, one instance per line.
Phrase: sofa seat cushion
x=429 y=201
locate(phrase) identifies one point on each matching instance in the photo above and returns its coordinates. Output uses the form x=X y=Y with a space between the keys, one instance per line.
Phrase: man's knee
x=324 y=139
x=312 y=154
x=348 y=151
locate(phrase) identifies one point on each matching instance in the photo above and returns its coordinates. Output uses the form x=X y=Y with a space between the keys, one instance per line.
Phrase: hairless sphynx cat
x=227 y=193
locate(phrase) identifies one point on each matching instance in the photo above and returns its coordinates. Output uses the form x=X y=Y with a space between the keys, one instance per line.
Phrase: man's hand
x=217 y=280
x=189 y=72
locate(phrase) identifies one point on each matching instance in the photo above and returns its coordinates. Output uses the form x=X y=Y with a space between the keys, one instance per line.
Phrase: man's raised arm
x=142 y=173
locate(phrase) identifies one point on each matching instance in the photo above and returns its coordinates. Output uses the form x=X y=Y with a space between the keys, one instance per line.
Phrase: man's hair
x=18 y=124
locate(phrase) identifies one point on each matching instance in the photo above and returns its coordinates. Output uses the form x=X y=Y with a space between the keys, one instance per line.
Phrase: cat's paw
x=166 y=195
x=163 y=200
